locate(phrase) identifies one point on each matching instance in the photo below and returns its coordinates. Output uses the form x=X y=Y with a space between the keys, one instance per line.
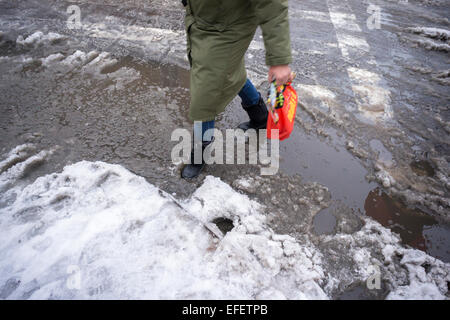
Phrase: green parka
x=219 y=33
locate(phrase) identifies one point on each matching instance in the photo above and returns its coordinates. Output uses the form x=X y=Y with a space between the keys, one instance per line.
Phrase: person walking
x=218 y=34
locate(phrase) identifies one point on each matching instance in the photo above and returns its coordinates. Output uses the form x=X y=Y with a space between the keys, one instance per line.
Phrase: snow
x=94 y=64
x=435 y=33
x=424 y=290
x=97 y=231
x=431 y=38
x=160 y=43
x=372 y=97
x=419 y=285
x=416 y=276
x=16 y=171
x=316 y=91
x=79 y=58
x=16 y=155
x=128 y=239
x=39 y=37
x=48 y=61
x=432 y=45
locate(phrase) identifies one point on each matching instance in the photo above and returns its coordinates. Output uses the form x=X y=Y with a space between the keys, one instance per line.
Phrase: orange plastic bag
x=282 y=104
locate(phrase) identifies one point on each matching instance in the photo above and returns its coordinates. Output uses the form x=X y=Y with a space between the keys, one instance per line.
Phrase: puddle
x=324 y=222
x=383 y=155
x=130 y=124
x=422 y=168
x=87 y=120
x=331 y=165
x=124 y=126
x=360 y=291
x=415 y=228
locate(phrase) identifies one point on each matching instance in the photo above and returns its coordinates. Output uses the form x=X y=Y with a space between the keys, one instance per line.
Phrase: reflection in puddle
x=359 y=291
x=415 y=228
x=324 y=222
x=383 y=155
x=328 y=164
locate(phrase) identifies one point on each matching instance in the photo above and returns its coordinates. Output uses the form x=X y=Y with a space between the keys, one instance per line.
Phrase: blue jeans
x=200 y=128
x=249 y=96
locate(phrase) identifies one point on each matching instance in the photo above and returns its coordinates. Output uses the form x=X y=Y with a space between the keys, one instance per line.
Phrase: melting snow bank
x=408 y=273
x=39 y=38
x=435 y=33
x=126 y=238
x=98 y=231
x=440 y=38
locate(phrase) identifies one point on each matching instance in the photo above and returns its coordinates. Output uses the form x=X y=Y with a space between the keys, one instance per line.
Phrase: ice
x=129 y=239
x=112 y=225
x=431 y=38
x=371 y=96
x=12 y=171
x=94 y=64
x=322 y=98
x=384 y=156
x=39 y=37
x=435 y=33
x=48 y=61
x=432 y=45
x=317 y=91
x=419 y=284
x=425 y=291
x=338 y=57
x=35 y=37
x=160 y=43
x=123 y=76
x=416 y=276
x=79 y=58
x=16 y=155
x=97 y=231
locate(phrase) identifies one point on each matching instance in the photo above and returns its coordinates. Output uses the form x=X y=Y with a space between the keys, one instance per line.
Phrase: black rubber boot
x=258 y=116
x=193 y=170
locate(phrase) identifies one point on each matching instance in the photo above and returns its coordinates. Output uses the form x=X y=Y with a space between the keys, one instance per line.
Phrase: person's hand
x=282 y=73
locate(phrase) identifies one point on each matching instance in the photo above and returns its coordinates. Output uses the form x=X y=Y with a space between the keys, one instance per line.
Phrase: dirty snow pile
x=440 y=38
x=97 y=231
x=99 y=65
x=435 y=33
x=409 y=273
x=39 y=38
x=94 y=64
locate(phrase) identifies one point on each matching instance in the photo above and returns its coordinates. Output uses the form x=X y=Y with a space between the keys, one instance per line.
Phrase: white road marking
x=370 y=91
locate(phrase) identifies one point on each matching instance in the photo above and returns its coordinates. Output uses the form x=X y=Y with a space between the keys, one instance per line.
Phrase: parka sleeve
x=273 y=19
